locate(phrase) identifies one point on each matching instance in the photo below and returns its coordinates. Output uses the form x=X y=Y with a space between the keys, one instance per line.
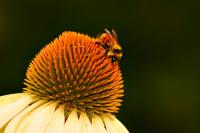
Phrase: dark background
x=160 y=41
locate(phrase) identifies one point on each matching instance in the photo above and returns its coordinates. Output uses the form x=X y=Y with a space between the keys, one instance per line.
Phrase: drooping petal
x=9 y=98
x=10 y=105
x=72 y=123
x=85 y=123
x=38 y=120
x=56 y=124
x=97 y=124
x=16 y=121
x=109 y=126
x=118 y=125
x=113 y=125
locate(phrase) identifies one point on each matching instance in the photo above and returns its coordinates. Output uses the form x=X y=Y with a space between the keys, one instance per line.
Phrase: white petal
x=38 y=120
x=9 y=98
x=16 y=121
x=10 y=105
x=72 y=123
x=57 y=122
x=85 y=123
x=97 y=125
x=113 y=125
x=109 y=126
x=120 y=127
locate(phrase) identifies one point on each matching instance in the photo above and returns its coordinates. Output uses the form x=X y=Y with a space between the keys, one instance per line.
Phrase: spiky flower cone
x=71 y=86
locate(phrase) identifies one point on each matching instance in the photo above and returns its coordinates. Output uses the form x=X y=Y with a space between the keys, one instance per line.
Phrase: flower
x=71 y=86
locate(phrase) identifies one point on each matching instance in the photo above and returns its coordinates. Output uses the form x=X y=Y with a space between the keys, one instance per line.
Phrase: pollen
x=77 y=73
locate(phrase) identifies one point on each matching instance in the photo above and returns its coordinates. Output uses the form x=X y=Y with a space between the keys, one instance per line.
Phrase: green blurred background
x=160 y=45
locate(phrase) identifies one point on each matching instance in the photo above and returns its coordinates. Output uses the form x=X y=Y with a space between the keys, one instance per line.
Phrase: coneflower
x=71 y=86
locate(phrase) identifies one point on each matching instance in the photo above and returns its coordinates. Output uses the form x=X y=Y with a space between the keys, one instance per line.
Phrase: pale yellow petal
x=98 y=125
x=118 y=125
x=16 y=121
x=72 y=123
x=56 y=124
x=113 y=125
x=3 y=128
x=9 y=109
x=9 y=98
x=85 y=123
x=108 y=123
x=38 y=120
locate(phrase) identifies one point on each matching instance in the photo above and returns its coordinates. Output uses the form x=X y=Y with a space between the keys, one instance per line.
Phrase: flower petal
x=38 y=120
x=98 y=125
x=57 y=122
x=118 y=125
x=16 y=121
x=72 y=123
x=109 y=126
x=9 y=98
x=10 y=105
x=113 y=125
x=85 y=123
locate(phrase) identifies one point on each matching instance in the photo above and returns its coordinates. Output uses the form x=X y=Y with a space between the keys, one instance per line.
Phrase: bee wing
x=114 y=34
x=107 y=31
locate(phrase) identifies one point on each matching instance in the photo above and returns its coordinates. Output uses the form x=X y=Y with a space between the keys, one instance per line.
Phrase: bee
x=109 y=42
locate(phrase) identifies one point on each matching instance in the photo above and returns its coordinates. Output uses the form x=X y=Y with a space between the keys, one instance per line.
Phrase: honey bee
x=109 y=42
